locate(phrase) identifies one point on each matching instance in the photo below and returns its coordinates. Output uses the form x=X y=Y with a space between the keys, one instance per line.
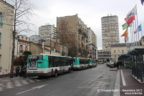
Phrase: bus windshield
x=33 y=61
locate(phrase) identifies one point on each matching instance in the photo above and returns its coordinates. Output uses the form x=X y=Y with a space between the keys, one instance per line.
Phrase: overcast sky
x=90 y=11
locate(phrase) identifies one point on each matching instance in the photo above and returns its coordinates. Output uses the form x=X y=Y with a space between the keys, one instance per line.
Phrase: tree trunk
x=13 y=44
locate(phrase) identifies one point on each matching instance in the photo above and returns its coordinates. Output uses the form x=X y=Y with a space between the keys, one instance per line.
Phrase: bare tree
x=22 y=11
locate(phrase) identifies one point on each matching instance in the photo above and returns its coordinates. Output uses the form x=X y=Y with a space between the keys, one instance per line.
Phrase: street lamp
x=42 y=40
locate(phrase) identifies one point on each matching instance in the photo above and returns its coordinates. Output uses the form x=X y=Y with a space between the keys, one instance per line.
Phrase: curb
x=137 y=79
x=4 y=75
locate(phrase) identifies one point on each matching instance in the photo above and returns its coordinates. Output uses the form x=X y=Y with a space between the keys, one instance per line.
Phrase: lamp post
x=47 y=38
x=42 y=40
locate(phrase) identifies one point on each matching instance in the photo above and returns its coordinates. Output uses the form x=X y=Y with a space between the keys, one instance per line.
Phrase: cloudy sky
x=90 y=11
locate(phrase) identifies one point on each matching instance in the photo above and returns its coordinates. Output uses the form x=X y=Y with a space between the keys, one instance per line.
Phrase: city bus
x=47 y=65
x=110 y=63
x=94 y=63
x=81 y=63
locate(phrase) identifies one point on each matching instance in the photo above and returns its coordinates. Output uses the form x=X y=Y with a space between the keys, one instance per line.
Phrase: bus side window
x=50 y=61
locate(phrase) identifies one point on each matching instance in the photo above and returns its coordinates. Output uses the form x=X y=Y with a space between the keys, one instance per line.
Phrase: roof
x=124 y=44
x=50 y=55
x=119 y=45
x=123 y=56
x=137 y=51
x=6 y=3
x=110 y=16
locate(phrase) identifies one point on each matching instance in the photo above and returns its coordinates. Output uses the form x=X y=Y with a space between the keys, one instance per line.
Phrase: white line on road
x=9 y=85
x=17 y=83
x=117 y=85
x=1 y=89
x=123 y=79
x=31 y=81
x=24 y=82
x=37 y=87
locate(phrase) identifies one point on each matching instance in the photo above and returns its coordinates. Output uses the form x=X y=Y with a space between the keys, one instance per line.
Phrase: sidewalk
x=128 y=85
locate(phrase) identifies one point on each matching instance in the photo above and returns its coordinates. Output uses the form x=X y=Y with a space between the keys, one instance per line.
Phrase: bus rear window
x=84 y=61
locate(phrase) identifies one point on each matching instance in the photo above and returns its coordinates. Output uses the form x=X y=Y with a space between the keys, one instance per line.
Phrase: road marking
x=17 y=83
x=123 y=79
x=37 y=80
x=31 y=81
x=24 y=82
x=9 y=85
x=117 y=85
x=1 y=89
x=37 y=87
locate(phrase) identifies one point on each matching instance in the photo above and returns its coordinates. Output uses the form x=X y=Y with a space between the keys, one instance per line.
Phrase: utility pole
x=50 y=43
x=47 y=38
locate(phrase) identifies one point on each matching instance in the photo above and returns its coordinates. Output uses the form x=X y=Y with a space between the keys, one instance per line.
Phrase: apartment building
x=92 y=44
x=103 y=55
x=110 y=31
x=22 y=44
x=6 y=29
x=47 y=31
x=35 y=38
x=73 y=33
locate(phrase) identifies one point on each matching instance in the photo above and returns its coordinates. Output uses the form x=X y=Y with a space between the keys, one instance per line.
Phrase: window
x=26 y=48
x=21 y=48
x=0 y=19
x=123 y=51
x=114 y=51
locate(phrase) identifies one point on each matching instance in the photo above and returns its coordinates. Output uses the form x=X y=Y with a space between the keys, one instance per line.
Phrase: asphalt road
x=90 y=82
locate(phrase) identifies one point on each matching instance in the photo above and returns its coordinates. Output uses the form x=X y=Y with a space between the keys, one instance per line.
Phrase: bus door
x=33 y=62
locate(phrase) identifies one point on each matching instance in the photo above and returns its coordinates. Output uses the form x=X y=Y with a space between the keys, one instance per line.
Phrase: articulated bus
x=46 y=65
x=82 y=63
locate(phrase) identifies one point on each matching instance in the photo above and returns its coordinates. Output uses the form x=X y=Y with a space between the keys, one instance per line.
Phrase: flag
x=125 y=33
x=126 y=39
x=139 y=28
x=133 y=12
x=124 y=26
x=142 y=1
x=135 y=31
x=130 y=25
x=130 y=20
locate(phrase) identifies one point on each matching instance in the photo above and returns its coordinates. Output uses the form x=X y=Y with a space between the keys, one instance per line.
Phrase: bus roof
x=82 y=58
x=49 y=55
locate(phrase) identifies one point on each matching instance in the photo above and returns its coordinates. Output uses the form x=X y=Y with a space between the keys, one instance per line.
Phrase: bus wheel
x=69 y=70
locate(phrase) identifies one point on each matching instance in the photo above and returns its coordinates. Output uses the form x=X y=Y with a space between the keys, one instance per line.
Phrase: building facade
x=47 y=46
x=123 y=48
x=110 y=31
x=103 y=55
x=22 y=43
x=35 y=38
x=6 y=29
x=92 y=44
x=117 y=50
x=73 y=33
x=47 y=30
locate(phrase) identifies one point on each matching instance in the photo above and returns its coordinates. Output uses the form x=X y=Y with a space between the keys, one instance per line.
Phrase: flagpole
x=133 y=35
x=137 y=25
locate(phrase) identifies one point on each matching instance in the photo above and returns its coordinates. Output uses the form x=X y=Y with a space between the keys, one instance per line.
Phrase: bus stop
x=137 y=58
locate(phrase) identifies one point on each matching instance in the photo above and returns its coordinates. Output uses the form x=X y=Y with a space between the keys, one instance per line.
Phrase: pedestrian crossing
x=7 y=84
